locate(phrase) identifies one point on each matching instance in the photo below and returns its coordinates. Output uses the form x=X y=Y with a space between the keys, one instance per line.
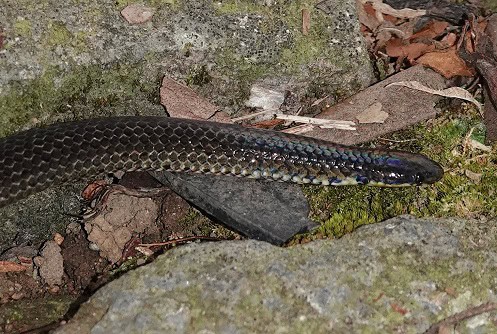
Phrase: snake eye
x=419 y=178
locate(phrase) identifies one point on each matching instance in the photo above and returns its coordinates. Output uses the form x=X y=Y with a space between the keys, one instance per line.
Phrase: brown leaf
x=11 y=267
x=306 y=21
x=396 y=48
x=183 y=102
x=399 y=309
x=447 y=63
x=372 y=114
x=430 y=31
x=268 y=124
x=367 y=16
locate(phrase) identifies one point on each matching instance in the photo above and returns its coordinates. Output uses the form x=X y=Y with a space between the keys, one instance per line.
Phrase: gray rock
x=398 y=276
x=267 y=211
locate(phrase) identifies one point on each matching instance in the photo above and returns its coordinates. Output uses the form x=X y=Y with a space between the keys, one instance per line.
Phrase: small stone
x=137 y=13
x=58 y=238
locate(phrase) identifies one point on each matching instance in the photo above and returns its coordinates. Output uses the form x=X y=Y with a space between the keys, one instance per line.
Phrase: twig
x=322 y=123
x=180 y=240
x=461 y=316
x=396 y=141
x=299 y=129
x=254 y=115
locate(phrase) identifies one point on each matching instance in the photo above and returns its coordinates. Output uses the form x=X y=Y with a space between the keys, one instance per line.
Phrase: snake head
x=412 y=169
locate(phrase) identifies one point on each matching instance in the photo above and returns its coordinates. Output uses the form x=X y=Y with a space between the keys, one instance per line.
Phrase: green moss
x=240 y=7
x=342 y=209
x=440 y=272
x=34 y=313
x=199 y=76
x=57 y=34
x=22 y=27
x=91 y=88
x=120 y=4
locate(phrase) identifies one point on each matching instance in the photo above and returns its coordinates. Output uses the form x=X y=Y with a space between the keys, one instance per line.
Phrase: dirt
x=58 y=278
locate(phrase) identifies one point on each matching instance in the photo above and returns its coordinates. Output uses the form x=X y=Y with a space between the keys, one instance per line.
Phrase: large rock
x=398 y=276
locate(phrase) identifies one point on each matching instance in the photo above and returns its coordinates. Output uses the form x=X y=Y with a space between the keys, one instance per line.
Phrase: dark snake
x=35 y=159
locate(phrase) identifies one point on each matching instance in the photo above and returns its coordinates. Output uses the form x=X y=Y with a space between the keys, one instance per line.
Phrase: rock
x=401 y=275
x=50 y=264
x=137 y=13
x=267 y=211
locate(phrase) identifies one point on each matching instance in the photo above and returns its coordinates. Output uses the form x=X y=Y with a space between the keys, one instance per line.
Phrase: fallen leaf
x=183 y=102
x=431 y=30
x=454 y=92
x=399 y=309
x=396 y=48
x=449 y=40
x=383 y=8
x=10 y=267
x=447 y=63
x=367 y=17
x=268 y=124
x=475 y=177
x=306 y=21
x=372 y=114
x=479 y=146
x=137 y=13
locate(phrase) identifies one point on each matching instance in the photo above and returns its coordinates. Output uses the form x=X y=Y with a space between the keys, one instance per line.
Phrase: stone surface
x=399 y=276
x=268 y=211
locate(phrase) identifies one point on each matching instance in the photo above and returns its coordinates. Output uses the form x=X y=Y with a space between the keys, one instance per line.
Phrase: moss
x=340 y=210
x=120 y=4
x=84 y=86
x=440 y=272
x=57 y=34
x=240 y=7
x=34 y=313
x=22 y=28
x=199 y=76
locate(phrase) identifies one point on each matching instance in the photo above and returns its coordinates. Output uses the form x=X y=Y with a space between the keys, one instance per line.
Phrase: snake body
x=35 y=159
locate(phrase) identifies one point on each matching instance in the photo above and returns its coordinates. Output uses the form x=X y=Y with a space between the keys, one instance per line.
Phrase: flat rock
x=399 y=276
x=267 y=211
x=404 y=107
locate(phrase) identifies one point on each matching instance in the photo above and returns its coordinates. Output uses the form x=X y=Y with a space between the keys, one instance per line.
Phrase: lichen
x=22 y=27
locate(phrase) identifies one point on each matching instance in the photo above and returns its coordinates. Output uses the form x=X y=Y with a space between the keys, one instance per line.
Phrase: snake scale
x=35 y=159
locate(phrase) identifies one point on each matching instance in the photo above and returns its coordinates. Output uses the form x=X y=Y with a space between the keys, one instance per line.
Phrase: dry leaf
x=447 y=63
x=372 y=114
x=475 y=177
x=479 y=146
x=306 y=21
x=183 y=102
x=367 y=17
x=9 y=267
x=383 y=8
x=137 y=13
x=431 y=30
x=454 y=92
x=396 y=48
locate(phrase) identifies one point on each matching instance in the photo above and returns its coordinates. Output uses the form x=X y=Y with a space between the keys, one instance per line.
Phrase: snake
x=35 y=159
